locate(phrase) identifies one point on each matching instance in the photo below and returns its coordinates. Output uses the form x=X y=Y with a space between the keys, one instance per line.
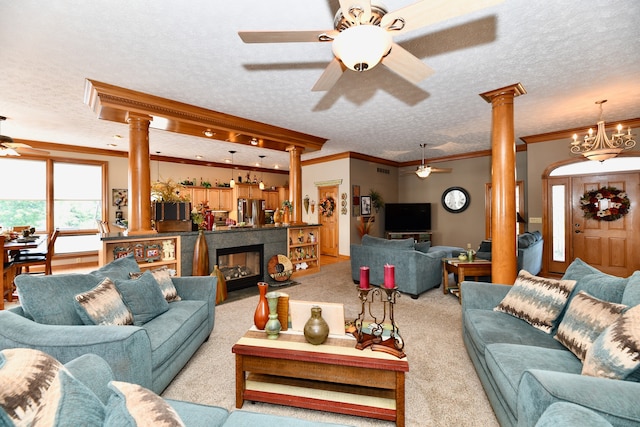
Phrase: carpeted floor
x=442 y=388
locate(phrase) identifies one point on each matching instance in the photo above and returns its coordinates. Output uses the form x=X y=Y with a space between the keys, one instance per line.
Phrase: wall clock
x=455 y=199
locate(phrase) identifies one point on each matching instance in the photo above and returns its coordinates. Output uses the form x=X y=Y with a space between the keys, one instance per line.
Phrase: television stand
x=417 y=236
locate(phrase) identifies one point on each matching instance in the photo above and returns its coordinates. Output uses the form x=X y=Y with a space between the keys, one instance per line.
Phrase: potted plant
x=287 y=207
x=171 y=209
x=376 y=200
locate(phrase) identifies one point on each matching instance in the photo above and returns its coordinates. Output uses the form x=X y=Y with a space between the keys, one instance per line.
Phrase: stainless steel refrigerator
x=251 y=211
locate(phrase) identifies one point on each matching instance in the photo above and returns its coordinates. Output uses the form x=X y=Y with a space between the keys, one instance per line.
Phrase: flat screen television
x=400 y=217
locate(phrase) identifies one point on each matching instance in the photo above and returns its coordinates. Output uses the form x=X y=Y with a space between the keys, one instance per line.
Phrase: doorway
x=610 y=246
x=329 y=230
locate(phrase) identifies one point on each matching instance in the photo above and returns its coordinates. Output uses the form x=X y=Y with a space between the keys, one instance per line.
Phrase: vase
x=209 y=220
x=261 y=316
x=273 y=327
x=221 y=292
x=200 y=264
x=316 y=330
x=285 y=216
x=283 y=311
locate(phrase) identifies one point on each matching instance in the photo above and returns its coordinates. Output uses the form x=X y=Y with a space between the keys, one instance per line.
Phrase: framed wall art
x=365 y=205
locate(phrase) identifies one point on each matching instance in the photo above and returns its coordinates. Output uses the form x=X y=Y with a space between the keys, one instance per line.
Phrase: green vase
x=273 y=326
x=316 y=330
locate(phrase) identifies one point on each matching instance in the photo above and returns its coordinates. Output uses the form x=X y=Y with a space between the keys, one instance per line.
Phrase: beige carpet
x=442 y=388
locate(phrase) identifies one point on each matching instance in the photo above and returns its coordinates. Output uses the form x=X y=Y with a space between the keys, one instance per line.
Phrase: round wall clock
x=455 y=199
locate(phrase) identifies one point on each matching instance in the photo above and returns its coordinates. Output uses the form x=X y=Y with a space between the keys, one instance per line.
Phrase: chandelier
x=600 y=147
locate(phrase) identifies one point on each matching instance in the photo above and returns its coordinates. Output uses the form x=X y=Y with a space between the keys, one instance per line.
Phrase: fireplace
x=242 y=266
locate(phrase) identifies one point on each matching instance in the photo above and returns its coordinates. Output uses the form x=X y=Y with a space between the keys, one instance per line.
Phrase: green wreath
x=326 y=206
x=618 y=204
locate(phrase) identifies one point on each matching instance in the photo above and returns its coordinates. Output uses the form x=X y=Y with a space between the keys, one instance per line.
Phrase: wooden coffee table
x=333 y=376
x=476 y=268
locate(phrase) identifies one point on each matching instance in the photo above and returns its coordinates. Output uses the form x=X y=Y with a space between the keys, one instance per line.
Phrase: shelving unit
x=304 y=247
x=148 y=251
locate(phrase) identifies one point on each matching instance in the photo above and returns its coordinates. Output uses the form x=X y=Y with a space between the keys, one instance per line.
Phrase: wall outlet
x=535 y=220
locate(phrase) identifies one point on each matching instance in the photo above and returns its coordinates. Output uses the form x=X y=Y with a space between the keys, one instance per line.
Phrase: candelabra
x=387 y=298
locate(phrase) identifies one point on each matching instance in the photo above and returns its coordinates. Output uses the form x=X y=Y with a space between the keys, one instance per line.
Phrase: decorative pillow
x=616 y=352
x=38 y=390
x=585 y=319
x=422 y=246
x=133 y=405
x=118 y=268
x=163 y=277
x=631 y=295
x=525 y=240
x=368 y=240
x=536 y=300
x=103 y=305
x=143 y=297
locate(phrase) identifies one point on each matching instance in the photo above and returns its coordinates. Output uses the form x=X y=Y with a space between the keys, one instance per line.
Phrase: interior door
x=609 y=246
x=329 y=229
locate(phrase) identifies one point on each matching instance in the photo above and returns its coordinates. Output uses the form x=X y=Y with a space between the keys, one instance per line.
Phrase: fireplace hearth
x=242 y=266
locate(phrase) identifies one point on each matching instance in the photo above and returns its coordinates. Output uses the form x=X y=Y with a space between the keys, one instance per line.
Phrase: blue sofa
x=150 y=354
x=418 y=267
x=88 y=398
x=525 y=371
x=530 y=247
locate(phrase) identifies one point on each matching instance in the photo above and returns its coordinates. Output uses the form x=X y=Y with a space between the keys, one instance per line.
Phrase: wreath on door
x=605 y=204
x=326 y=206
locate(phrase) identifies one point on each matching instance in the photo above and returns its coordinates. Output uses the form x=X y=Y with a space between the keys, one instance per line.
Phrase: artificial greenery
x=376 y=200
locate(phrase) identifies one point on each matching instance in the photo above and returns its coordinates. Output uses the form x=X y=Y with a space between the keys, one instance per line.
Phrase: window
x=65 y=194
x=23 y=201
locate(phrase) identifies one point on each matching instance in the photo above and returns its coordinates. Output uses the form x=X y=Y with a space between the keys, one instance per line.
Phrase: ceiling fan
x=363 y=36
x=10 y=148
x=423 y=171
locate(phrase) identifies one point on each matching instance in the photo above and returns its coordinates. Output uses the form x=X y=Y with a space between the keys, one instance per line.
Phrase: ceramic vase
x=200 y=266
x=209 y=220
x=221 y=292
x=316 y=330
x=273 y=327
x=261 y=316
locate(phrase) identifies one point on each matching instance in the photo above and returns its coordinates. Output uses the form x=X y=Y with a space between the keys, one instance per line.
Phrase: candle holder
x=387 y=298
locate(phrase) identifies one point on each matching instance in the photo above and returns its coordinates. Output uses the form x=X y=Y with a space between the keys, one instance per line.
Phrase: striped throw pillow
x=536 y=300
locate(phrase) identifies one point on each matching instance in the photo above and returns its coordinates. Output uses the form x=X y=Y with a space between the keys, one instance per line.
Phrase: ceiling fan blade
x=287 y=36
x=32 y=151
x=406 y=65
x=423 y=13
x=330 y=76
x=441 y=170
x=347 y=5
x=16 y=145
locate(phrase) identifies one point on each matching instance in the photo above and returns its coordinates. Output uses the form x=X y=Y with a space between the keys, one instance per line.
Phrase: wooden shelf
x=113 y=248
x=304 y=247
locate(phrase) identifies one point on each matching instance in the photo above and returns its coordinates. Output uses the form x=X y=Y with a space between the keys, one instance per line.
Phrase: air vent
x=383 y=170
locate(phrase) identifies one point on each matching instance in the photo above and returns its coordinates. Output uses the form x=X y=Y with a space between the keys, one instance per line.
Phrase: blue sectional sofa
x=418 y=267
x=526 y=371
x=83 y=393
x=150 y=354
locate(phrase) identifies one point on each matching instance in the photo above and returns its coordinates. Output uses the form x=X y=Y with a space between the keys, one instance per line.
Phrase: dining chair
x=25 y=260
x=7 y=275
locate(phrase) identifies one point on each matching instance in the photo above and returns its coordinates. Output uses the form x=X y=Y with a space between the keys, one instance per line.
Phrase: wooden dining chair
x=7 y=275
x=25 y=260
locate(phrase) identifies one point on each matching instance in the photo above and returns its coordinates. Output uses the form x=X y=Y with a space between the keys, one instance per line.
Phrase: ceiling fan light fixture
x=423 y=172
x=361 y=48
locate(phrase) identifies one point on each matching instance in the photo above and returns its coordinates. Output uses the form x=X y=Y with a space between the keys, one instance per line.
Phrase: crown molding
x=115 y=104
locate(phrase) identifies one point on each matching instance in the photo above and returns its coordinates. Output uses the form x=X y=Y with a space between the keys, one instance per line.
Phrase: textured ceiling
x=567 y=54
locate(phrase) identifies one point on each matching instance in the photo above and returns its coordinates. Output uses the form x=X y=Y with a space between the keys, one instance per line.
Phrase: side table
x=476 y=269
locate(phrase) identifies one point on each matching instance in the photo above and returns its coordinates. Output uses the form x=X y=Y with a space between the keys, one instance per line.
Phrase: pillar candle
x=389 y=276
x=364 y=277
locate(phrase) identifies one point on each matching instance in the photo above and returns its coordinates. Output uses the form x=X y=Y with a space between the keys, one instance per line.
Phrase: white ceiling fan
x=423 y=171
x=363 y=36
x=10 y=148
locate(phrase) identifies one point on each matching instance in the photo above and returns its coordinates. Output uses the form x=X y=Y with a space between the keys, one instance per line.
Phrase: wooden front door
x=609 y=246
x=329 y=229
